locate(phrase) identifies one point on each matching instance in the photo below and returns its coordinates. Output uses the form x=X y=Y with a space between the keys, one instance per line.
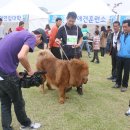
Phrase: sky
x=54 y=5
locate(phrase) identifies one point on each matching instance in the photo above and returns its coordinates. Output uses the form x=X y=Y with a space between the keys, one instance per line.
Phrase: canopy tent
x=86 y=7
x=88 y=11
x=26 y=7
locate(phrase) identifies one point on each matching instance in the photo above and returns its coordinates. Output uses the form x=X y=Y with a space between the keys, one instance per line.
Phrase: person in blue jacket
x=123 y=62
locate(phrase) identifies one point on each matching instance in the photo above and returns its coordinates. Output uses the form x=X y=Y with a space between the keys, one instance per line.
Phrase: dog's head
x=78 y=72
x=42 y=55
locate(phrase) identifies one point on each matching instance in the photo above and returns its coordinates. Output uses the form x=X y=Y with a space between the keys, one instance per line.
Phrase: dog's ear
x=39 y=60
x=46 y=53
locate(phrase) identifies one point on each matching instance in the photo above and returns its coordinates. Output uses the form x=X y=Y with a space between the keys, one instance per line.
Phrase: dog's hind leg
x=61 y=95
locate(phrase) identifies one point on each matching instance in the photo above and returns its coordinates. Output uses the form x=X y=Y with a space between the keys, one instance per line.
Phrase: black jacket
x=112 y=49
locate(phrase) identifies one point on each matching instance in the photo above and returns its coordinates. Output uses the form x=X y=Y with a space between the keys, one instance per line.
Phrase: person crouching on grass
x=96 y=46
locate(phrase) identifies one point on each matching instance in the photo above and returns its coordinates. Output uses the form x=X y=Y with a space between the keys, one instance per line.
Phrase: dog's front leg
x=61 y=94
x=42 y=88
x=49 y=86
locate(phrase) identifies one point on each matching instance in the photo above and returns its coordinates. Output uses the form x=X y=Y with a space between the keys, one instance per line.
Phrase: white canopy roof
x=86 y=7
x=23 y=7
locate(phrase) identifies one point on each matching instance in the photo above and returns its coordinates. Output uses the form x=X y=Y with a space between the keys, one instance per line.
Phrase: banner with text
x=15 y=18
x=83 y=19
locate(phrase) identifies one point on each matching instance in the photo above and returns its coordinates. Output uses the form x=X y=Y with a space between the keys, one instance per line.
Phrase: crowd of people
x=65 y=42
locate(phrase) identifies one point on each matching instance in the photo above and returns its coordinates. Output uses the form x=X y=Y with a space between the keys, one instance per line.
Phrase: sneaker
x=92 y=60
x=128 y=112
x=114 y=80
x=97 y=62
x=89 y=55
x=123 y=89
x=110 y=78
x=33 y=126
x=116 y=86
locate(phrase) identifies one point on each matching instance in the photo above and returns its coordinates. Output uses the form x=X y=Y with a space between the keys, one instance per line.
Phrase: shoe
x=114 y=80
x=97 y=62
x=89 y=55
x=102 y=56
x=123 y=89
x=80 y=90
x=92 y=60
x=128 y=112
x=110 y=78
x=33 y=126
x=68 y=89
x=116 y=86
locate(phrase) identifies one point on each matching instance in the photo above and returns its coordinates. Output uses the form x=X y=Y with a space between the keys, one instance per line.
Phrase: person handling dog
x=70 y=37
x=14 y=48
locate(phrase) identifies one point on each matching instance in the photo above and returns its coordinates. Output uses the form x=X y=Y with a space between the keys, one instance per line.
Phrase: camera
x=30 y=81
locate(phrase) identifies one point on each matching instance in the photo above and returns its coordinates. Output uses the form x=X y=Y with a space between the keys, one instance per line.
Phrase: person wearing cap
x=43 y=38
x=53 y=46
x=70 y=37
x=14 y=49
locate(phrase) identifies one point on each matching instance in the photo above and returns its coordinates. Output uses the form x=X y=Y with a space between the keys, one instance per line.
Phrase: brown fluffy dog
x=62 y=73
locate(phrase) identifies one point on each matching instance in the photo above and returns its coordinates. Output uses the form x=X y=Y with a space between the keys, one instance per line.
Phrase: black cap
x=44 y=37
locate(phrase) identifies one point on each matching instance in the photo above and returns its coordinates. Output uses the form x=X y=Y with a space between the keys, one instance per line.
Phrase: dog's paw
x=42 y=91
x=61 y=101
x=67 y=97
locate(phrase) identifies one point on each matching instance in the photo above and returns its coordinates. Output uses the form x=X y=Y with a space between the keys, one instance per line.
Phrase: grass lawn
x=100 y=108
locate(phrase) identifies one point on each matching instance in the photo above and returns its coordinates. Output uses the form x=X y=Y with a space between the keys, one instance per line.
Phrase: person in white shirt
x=1 y=29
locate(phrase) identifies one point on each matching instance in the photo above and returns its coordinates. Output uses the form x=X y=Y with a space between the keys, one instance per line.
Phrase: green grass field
x=100 y=108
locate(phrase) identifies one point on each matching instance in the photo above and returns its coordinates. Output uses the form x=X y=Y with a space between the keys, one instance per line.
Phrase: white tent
x=86 y=7
x=37 y=18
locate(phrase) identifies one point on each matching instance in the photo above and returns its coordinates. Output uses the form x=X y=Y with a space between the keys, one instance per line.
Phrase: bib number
x=71 y=40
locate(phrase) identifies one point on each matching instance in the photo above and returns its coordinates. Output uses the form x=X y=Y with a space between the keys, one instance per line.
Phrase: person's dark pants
x=10 y=92
x=95 y=56
x=123 y=64
x=102 y=51
x=114 y=62
x=56 y=52
x=71 y=52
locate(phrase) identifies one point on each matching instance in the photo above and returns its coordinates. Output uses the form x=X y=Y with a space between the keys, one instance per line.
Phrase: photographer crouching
x=14 y=48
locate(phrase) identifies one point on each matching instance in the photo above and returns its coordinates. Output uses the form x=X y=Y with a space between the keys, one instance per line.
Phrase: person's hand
x=58 y=41
x=19 y=76
x=45 y=46
x=30 y=73
x=76 y=46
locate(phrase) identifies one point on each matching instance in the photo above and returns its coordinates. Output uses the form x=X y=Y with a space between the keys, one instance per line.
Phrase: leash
x=64 y=53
